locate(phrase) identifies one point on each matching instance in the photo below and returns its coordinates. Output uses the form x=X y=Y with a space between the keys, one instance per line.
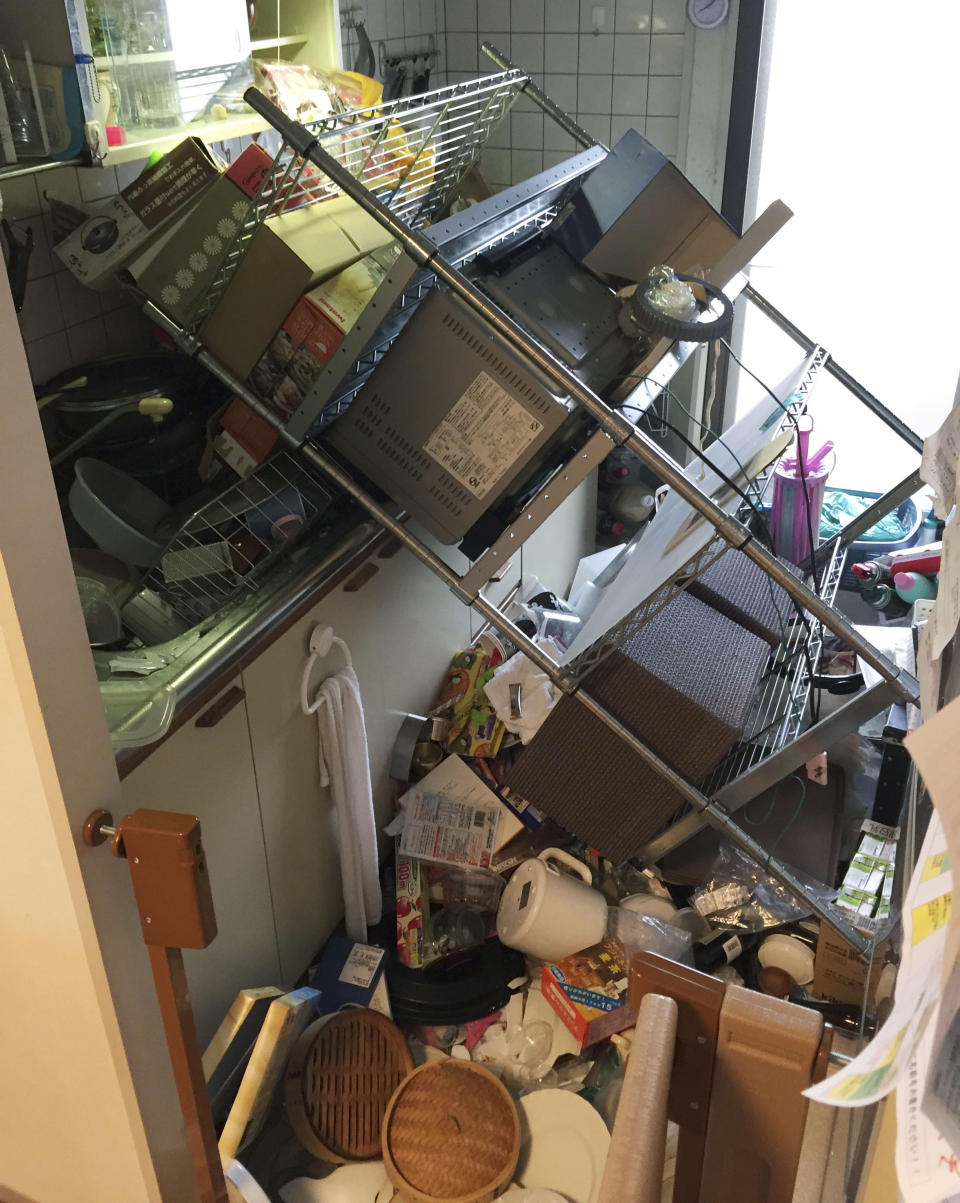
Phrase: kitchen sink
x=143 y=687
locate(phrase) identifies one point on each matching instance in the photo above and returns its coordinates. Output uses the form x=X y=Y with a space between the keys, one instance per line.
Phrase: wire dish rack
x=409 y=153
x=222 y=549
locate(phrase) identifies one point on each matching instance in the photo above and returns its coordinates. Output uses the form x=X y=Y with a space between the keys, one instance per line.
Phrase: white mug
x=547 y=914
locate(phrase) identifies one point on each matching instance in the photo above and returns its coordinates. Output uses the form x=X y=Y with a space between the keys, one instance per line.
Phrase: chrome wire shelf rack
x=449 y=128
x=409 y=153
x=226 y=545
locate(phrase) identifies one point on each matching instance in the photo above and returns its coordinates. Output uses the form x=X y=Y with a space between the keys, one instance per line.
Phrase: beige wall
x=69 y=1125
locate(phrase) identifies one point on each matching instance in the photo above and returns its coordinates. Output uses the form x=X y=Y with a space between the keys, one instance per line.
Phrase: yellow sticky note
x=935 y=866
x=930 y=917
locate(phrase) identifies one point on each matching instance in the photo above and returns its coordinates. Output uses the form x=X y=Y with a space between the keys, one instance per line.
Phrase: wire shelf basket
x=226 y=545
x=410 y=153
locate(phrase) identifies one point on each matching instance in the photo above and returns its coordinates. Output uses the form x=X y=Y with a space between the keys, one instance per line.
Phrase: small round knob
x=98 y=828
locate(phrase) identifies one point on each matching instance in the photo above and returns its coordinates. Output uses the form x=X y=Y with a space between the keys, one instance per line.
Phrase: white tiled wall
x=64 y=322
x=403 y=26
x=612 y=64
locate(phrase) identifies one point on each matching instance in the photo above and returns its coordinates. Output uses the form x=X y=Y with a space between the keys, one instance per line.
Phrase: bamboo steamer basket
x=342 y=1073
x=451 y=1134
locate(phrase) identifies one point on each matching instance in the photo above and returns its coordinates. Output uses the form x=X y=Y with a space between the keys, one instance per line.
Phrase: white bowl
x=119 y=513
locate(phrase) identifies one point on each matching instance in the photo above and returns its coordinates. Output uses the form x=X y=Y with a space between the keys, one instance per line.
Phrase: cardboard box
x=839 y=975
x=133 y=218
x=589 y=991
x=288 y=253
x=314 y=329
x=637 y=210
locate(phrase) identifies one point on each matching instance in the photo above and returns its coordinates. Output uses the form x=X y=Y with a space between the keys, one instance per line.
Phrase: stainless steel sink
x=141 y=707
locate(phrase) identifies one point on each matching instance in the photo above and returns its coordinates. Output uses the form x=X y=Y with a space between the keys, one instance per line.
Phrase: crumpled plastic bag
x=538 y=694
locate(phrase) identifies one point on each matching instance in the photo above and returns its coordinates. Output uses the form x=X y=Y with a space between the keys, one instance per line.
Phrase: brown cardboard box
x=637 y=210
x=132 y=219
x=286 y=255
x=839 y=974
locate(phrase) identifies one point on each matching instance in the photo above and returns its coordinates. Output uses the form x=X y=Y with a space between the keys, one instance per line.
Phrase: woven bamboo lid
x=451 y=1134
x=341 y=1075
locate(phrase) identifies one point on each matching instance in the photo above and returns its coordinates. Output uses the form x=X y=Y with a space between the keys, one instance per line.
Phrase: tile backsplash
x=614 y=66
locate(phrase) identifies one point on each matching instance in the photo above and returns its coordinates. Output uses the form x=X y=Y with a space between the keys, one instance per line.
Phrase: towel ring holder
x=322 y=643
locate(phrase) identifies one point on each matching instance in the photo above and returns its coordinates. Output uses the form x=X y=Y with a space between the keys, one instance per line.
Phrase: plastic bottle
x=885 y=599
x=631 y=503
x=911 y=586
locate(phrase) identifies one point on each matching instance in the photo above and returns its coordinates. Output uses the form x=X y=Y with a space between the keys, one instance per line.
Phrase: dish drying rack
x=444 y=132
x=227 y=544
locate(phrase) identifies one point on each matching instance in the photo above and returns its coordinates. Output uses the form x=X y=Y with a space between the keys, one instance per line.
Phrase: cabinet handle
x=221 y=707
x=366 y=573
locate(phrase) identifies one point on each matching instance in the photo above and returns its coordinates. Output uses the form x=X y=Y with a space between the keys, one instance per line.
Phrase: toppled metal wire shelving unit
x=442 y=134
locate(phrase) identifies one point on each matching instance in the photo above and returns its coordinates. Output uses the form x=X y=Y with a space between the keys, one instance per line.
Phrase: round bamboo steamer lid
x=451 y=1134
x=342 y=1073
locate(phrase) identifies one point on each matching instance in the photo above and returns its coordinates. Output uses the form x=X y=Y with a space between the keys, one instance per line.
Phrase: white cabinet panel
x=402 y=627
x=208 y=771
x=553 y=551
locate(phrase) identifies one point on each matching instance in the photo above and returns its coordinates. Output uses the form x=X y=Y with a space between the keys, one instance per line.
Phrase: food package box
x=412 y=910
x=132 y=219
x=290 y=252
x=348 y=974
x=314 y=329
x=245 y=440
x=636 y=210
x=588 y=990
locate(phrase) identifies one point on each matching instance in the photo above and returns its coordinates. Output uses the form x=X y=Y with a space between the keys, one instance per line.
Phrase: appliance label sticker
x=484 y=434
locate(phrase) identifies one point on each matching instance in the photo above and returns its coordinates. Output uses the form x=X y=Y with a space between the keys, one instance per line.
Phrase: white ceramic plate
x=357 y=1182
x=563 y=1146
x=793 y=956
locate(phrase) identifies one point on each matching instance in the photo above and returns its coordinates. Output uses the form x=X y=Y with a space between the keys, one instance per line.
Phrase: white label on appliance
x=453 y=833
x=360 y=967
x=482 y=436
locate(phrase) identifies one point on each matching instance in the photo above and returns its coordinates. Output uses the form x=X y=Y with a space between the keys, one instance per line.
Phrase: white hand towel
x=345 y=767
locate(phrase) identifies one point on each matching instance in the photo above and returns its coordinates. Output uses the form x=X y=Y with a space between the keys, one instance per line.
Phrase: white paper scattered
x=360 y=967
x=941 y=1097
x=457 y=781
x=928 y=1171
x=451 y=833
x=938 y=467
x=928 y=672
x=926 y=916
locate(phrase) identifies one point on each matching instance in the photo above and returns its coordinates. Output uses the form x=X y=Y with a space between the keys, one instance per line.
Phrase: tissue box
x=683 y=684
x=589 y=991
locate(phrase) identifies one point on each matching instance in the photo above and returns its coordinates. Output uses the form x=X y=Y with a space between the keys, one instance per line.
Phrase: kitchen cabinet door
x=206 y=768
x=401 y=627
x=553 y=551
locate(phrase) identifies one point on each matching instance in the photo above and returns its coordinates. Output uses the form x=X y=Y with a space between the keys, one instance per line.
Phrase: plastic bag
x=841 y=507
x=672 y=297
x=738 y=894
x=644 y=933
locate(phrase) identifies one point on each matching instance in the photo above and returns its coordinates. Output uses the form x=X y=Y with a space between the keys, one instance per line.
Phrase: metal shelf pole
x=620 y=429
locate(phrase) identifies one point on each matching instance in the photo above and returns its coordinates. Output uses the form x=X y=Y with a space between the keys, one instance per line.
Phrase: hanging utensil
x=365 y=62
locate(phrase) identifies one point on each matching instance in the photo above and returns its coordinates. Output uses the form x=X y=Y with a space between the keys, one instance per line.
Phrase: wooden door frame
x=60 y=768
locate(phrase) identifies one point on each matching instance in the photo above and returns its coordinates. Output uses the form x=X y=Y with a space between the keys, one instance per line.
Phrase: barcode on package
x=484 y=434
x=453 y=833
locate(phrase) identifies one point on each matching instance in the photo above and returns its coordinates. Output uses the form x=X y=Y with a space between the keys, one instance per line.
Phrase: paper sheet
x=941 y=1095
x=457 y=781
x=926 y=916
x=938 y=467
x=677 y=533
x=928 y=1171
